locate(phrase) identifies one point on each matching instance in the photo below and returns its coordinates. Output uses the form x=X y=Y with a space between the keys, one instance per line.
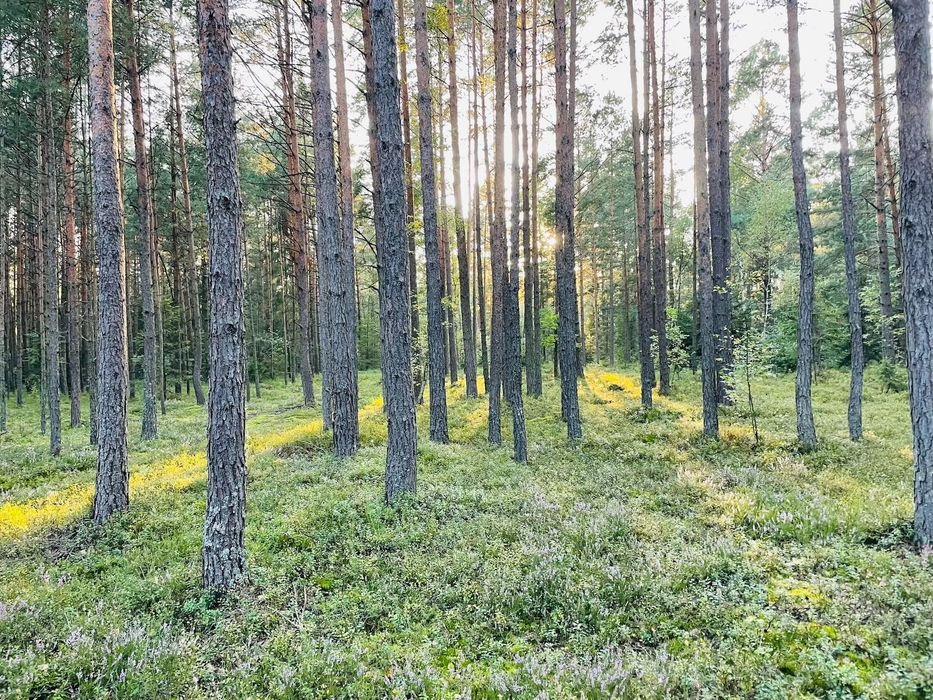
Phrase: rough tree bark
x=335 y=250
x=564 y=226
x=806 y=431
x=394 y=302
x=436 y=358
x=112 y=490
x=644 y=273
x=513 y=344
x=223 y=552
x=857 y=361
x=912 y=47
x=702 y=231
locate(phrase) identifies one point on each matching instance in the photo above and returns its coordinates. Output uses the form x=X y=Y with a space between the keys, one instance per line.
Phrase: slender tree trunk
x=806 y=431
x=702 y=235
x=71 y=261
x=644 y=273
x=335 y=249
x=528 y=324
x=658 y=256
x=723 y=266
x=513 y=344
x=436 y=359
x=111 y=494
x=447 y=283
x=535 y=386
x=567 y=325
x=848 y=232
x=463 y=256
x=223 y=553
x=191 y=273
x=410 y=207
x=478 y=69
x=392 y=250
x=144 y=240
x=878 y=130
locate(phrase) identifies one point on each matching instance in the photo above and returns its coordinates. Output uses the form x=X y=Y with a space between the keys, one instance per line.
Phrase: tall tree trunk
x=478 y=69
x=722 y=267
x=297 y=221
x=658 y=255
x=223 y=553
x=191 y=273
x=335 y=248
x=702 y=228
x=912 y=46
x=534 y=379
x=392 y=250
x=71 y=261
x=848 y=233
x=112 y=491
x=410 y=207
x=513 y=344
x=644 y=273
x=436 y=359
x=52 y=237
x=144 y=239
x=463 y=255
x=567 y=325
x=878 y=130
x=447 y=283
x=806 y=431
x=528 y=324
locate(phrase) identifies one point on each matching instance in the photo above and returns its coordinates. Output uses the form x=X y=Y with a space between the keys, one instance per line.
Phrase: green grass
x=643 y=562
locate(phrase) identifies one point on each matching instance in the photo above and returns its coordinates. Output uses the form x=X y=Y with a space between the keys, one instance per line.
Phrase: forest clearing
x=640 y=562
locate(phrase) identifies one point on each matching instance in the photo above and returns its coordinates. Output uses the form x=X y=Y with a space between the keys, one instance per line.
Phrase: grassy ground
x=643 y=562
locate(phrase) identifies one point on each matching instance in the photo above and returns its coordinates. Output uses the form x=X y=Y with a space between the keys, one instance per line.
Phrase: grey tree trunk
x=513 y=342
x=223 y=552
x=857 y=360
x=52 y=237
x=345 y=379
x=191 y=273
x=912 y=46
x=567 y=325
x=436 y=358
x=645 y=308
x=338 y=313
x=806 y=431
x=702 y=235
x=878 y=131
x=723 y=266
x=392 y=251
x=535 y=385
x=463 y=255
x=477 y=213
x=112 y=490
x=144 y=236
x=71 y=260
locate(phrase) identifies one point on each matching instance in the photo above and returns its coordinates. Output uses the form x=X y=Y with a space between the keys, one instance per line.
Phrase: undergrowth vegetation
x=642 y=562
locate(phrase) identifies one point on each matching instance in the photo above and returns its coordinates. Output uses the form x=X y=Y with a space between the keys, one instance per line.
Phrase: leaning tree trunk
x=336 y=274
x=112 y=489
x=223 y=553
x=702 y=228
x=513 y=343
x=912 y=46
x=848 y=233
x=392 y=251
x=806 y=431
x=644 y=273
x=563 y=215
x=144 y=237
x=436 y=359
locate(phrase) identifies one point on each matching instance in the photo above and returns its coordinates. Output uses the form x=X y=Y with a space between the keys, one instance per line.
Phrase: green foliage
x=642 y=562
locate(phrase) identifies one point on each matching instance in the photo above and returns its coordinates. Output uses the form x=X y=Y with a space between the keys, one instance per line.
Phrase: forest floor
x=641 y=562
